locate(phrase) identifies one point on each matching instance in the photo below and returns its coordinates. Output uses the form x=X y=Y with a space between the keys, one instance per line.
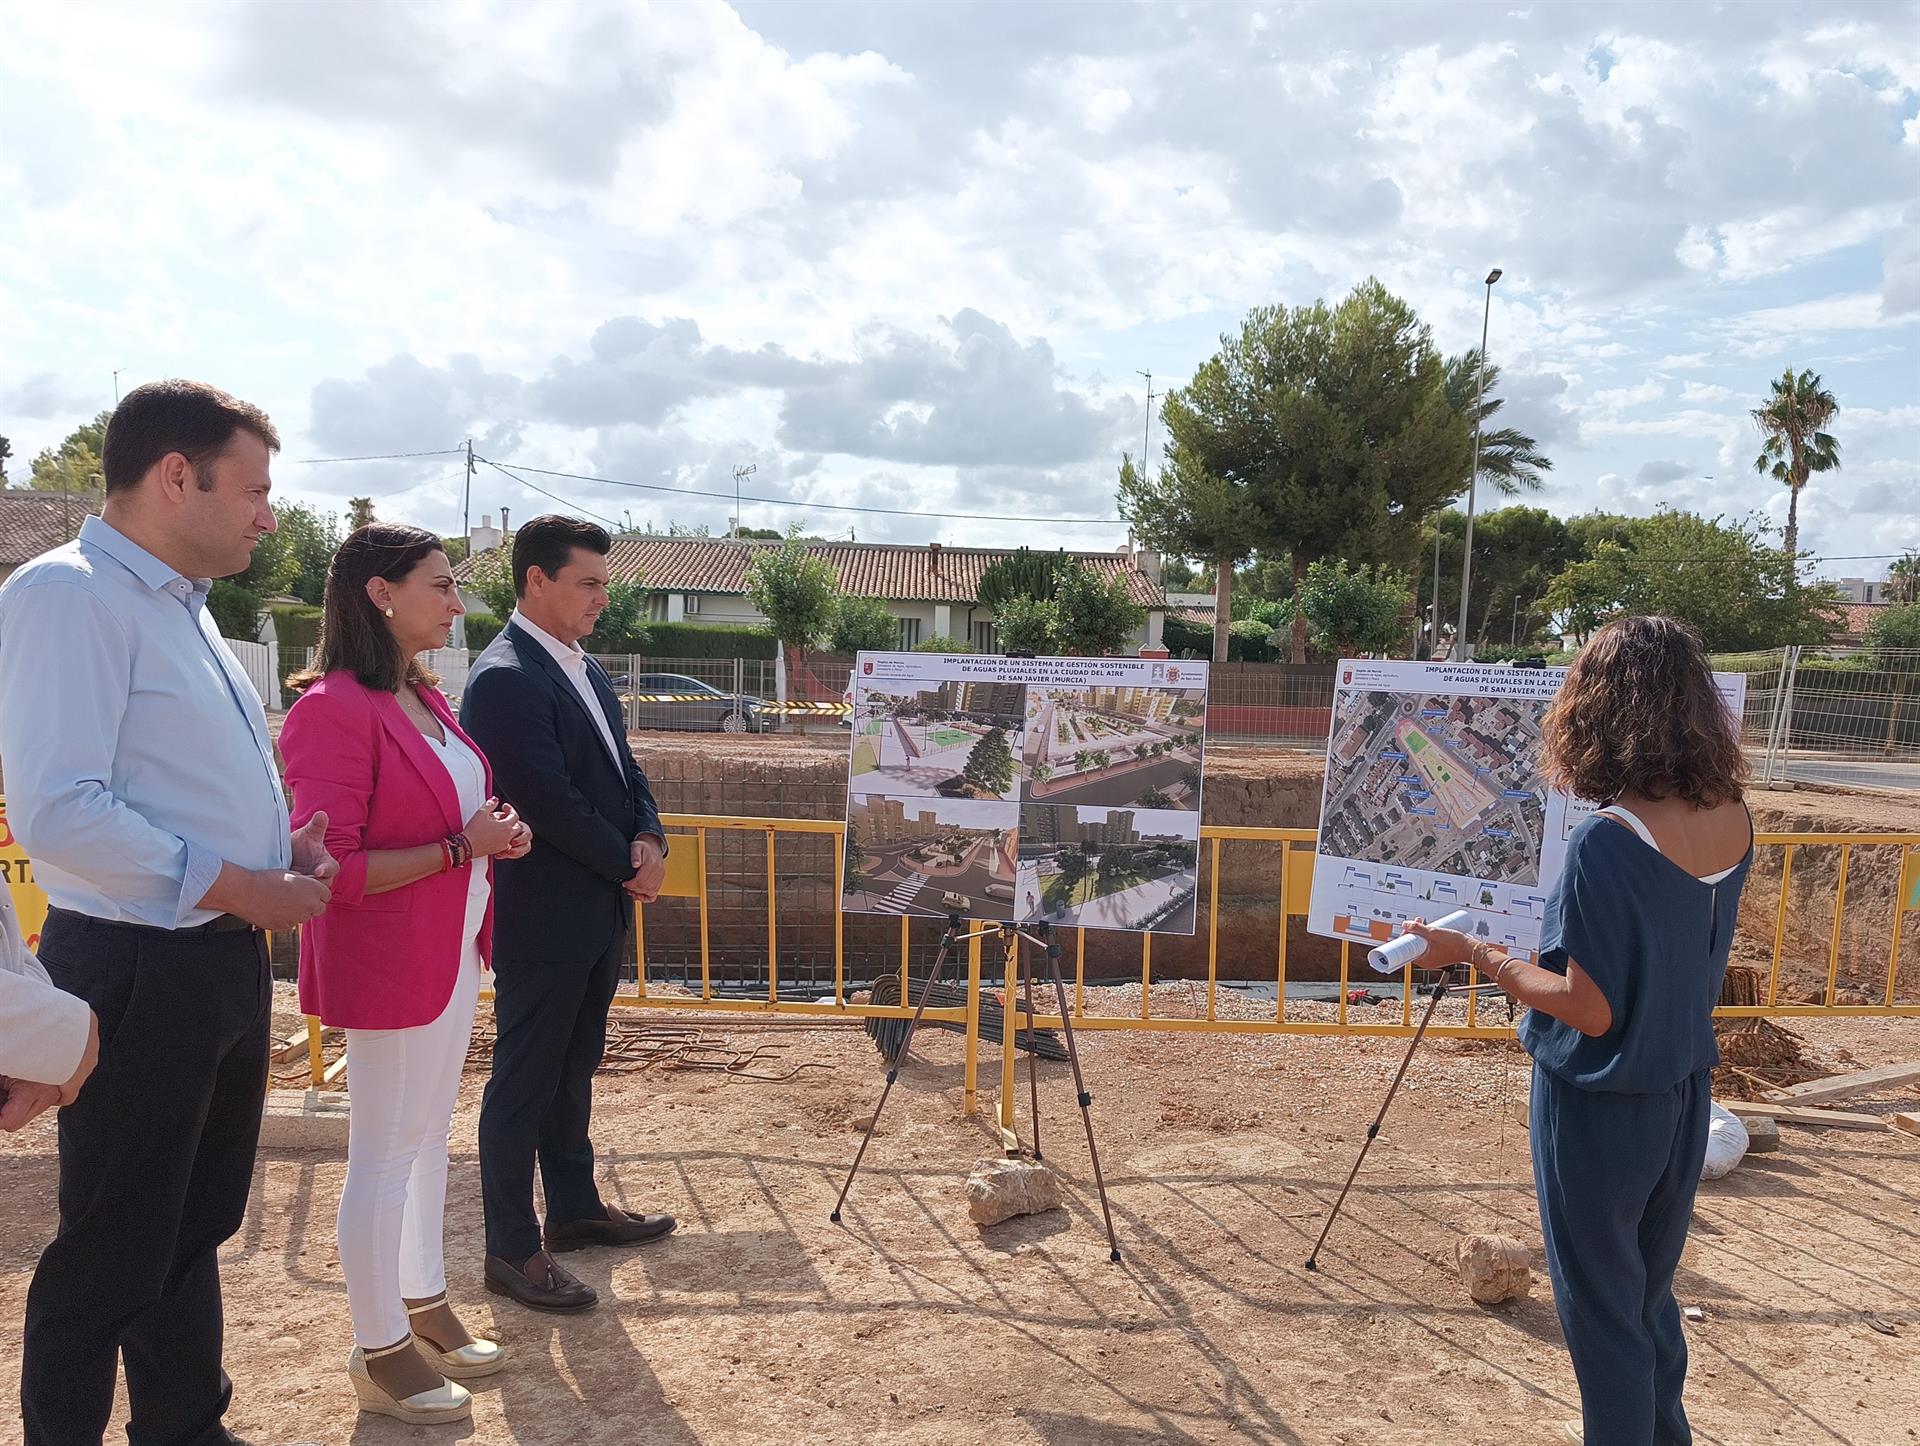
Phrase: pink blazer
x=379 y=961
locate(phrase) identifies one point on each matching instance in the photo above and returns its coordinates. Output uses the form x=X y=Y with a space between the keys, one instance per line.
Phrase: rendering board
x=1033 y=790
x=1434 y=800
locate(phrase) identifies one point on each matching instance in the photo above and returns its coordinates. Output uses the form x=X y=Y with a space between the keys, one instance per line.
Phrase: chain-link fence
x=1833 y=717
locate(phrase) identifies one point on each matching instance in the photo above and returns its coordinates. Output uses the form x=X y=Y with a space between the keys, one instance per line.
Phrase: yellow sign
x=1910 y=881
x=16 y=871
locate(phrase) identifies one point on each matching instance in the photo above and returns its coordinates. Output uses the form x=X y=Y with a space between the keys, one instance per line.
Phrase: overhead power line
x=376 y=457
x=566 y=501
x=813 y=506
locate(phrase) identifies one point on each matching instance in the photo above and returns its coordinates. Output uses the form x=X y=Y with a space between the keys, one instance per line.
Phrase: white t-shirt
x=469 y=777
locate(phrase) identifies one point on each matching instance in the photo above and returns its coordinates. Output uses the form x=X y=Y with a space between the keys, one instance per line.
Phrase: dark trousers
x=156 y=1161
x=550 y=1022
x=1616 y=1176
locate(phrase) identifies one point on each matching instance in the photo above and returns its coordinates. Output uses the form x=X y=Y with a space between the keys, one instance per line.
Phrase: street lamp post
x=1463 y=638
x=1433 y=617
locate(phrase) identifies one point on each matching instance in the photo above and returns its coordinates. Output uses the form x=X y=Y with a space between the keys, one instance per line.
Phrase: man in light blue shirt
x=126 y=788
x=140 y=778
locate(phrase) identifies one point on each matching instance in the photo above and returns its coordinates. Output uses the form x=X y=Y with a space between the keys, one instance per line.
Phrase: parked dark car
x=697 y=707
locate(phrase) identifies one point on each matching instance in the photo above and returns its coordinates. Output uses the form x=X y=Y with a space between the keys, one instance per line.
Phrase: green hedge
x=708 y=640
x=1187 y=640
x=482 y=628
x=1513 y=653
x=296 y=625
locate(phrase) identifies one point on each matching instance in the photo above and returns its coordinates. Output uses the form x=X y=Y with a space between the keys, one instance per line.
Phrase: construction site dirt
x=761 y=1322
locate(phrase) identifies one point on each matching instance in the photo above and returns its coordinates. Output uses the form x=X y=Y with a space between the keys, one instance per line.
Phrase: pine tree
x=990 y=764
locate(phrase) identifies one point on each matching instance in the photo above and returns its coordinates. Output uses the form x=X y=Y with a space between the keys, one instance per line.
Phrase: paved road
x=1120 y=786
x=900 y=888
x=1903 y=776
x=1124 y=909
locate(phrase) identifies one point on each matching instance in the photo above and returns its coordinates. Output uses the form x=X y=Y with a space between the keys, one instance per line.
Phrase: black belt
x=219 y=924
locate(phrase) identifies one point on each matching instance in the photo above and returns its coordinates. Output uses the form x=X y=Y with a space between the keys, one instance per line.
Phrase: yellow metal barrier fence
x=688 y=879
x=689 y=884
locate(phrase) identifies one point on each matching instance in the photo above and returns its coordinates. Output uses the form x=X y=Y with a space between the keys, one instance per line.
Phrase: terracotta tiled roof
x=1202 y=617
x=864 y=569
x=1860 y=615
x=32 y=522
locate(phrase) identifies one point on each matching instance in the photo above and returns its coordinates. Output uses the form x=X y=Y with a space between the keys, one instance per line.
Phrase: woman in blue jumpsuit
x=1632 y=952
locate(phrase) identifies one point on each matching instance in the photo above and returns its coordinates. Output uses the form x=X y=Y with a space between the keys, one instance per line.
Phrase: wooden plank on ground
x=294 y=1046
x=1801 y=1115
x=1909 y=1121
x=1839 y=1086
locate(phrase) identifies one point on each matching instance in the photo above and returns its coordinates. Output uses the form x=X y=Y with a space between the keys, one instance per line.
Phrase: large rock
x=1001 y=1189
x=1494 y=1268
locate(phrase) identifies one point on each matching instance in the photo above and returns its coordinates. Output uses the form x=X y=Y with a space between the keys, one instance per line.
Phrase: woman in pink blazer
x=396 y=958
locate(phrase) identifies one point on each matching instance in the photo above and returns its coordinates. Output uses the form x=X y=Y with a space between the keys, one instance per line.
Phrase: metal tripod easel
x=1009 y=936
x=1437 y=991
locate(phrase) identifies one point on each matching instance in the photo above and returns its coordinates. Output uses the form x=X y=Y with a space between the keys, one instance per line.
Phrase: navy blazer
x=562 y=904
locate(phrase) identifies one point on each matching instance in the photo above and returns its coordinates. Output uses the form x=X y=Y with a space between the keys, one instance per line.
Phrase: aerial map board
x=1434 y=800
x=1033 y=790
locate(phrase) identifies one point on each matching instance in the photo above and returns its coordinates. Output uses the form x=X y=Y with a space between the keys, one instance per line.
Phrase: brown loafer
x=619 y=1228
x=541 y=1284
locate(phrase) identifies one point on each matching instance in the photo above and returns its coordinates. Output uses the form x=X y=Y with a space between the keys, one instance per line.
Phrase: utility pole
x=738 y=473
x=466 y=498
x=116 y=385
x=1146 y=431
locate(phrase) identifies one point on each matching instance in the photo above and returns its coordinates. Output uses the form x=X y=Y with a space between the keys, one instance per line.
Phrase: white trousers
x=402 y=1084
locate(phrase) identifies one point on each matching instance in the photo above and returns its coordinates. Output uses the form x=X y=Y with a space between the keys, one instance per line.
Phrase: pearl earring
x=389 y=612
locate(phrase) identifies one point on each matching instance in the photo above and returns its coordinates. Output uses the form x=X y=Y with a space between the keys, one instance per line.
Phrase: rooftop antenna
x=738 y=473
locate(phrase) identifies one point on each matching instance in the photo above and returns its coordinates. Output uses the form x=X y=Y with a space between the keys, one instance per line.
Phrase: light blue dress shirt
x=135 y=750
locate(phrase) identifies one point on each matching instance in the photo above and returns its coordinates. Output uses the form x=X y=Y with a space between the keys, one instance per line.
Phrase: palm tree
x=1509 y=459
x=1903 y=578
x=1796 y=446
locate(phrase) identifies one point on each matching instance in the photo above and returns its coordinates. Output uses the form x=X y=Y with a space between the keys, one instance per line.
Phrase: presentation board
x=1063 y=791
x=1434 y=801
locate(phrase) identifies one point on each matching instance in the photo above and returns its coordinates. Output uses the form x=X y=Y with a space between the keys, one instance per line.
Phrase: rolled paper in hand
x=1392 y=958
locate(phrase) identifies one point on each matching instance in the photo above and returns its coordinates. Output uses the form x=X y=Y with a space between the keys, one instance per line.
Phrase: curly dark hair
x=1639 y=714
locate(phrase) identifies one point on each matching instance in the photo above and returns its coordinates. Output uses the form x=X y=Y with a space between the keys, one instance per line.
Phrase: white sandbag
x=1726 y=1143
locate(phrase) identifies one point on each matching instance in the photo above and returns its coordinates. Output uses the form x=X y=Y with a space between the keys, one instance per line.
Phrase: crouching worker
x=1632 y=952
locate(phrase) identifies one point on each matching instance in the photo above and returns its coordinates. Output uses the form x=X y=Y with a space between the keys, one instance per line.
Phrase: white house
x=932 y=591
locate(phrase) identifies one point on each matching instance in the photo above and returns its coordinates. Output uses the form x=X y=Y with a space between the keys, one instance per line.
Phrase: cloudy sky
x=914 y=257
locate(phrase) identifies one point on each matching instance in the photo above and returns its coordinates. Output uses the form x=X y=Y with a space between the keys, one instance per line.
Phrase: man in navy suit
x=551 y=725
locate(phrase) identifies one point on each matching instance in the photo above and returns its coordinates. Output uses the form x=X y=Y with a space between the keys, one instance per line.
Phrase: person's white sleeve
x=43 y=1029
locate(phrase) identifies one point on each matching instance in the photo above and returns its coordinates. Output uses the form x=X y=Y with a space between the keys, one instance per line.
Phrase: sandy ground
x=762 y=1322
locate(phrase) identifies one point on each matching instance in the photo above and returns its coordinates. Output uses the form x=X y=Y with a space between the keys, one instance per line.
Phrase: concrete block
x=304 y=1120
